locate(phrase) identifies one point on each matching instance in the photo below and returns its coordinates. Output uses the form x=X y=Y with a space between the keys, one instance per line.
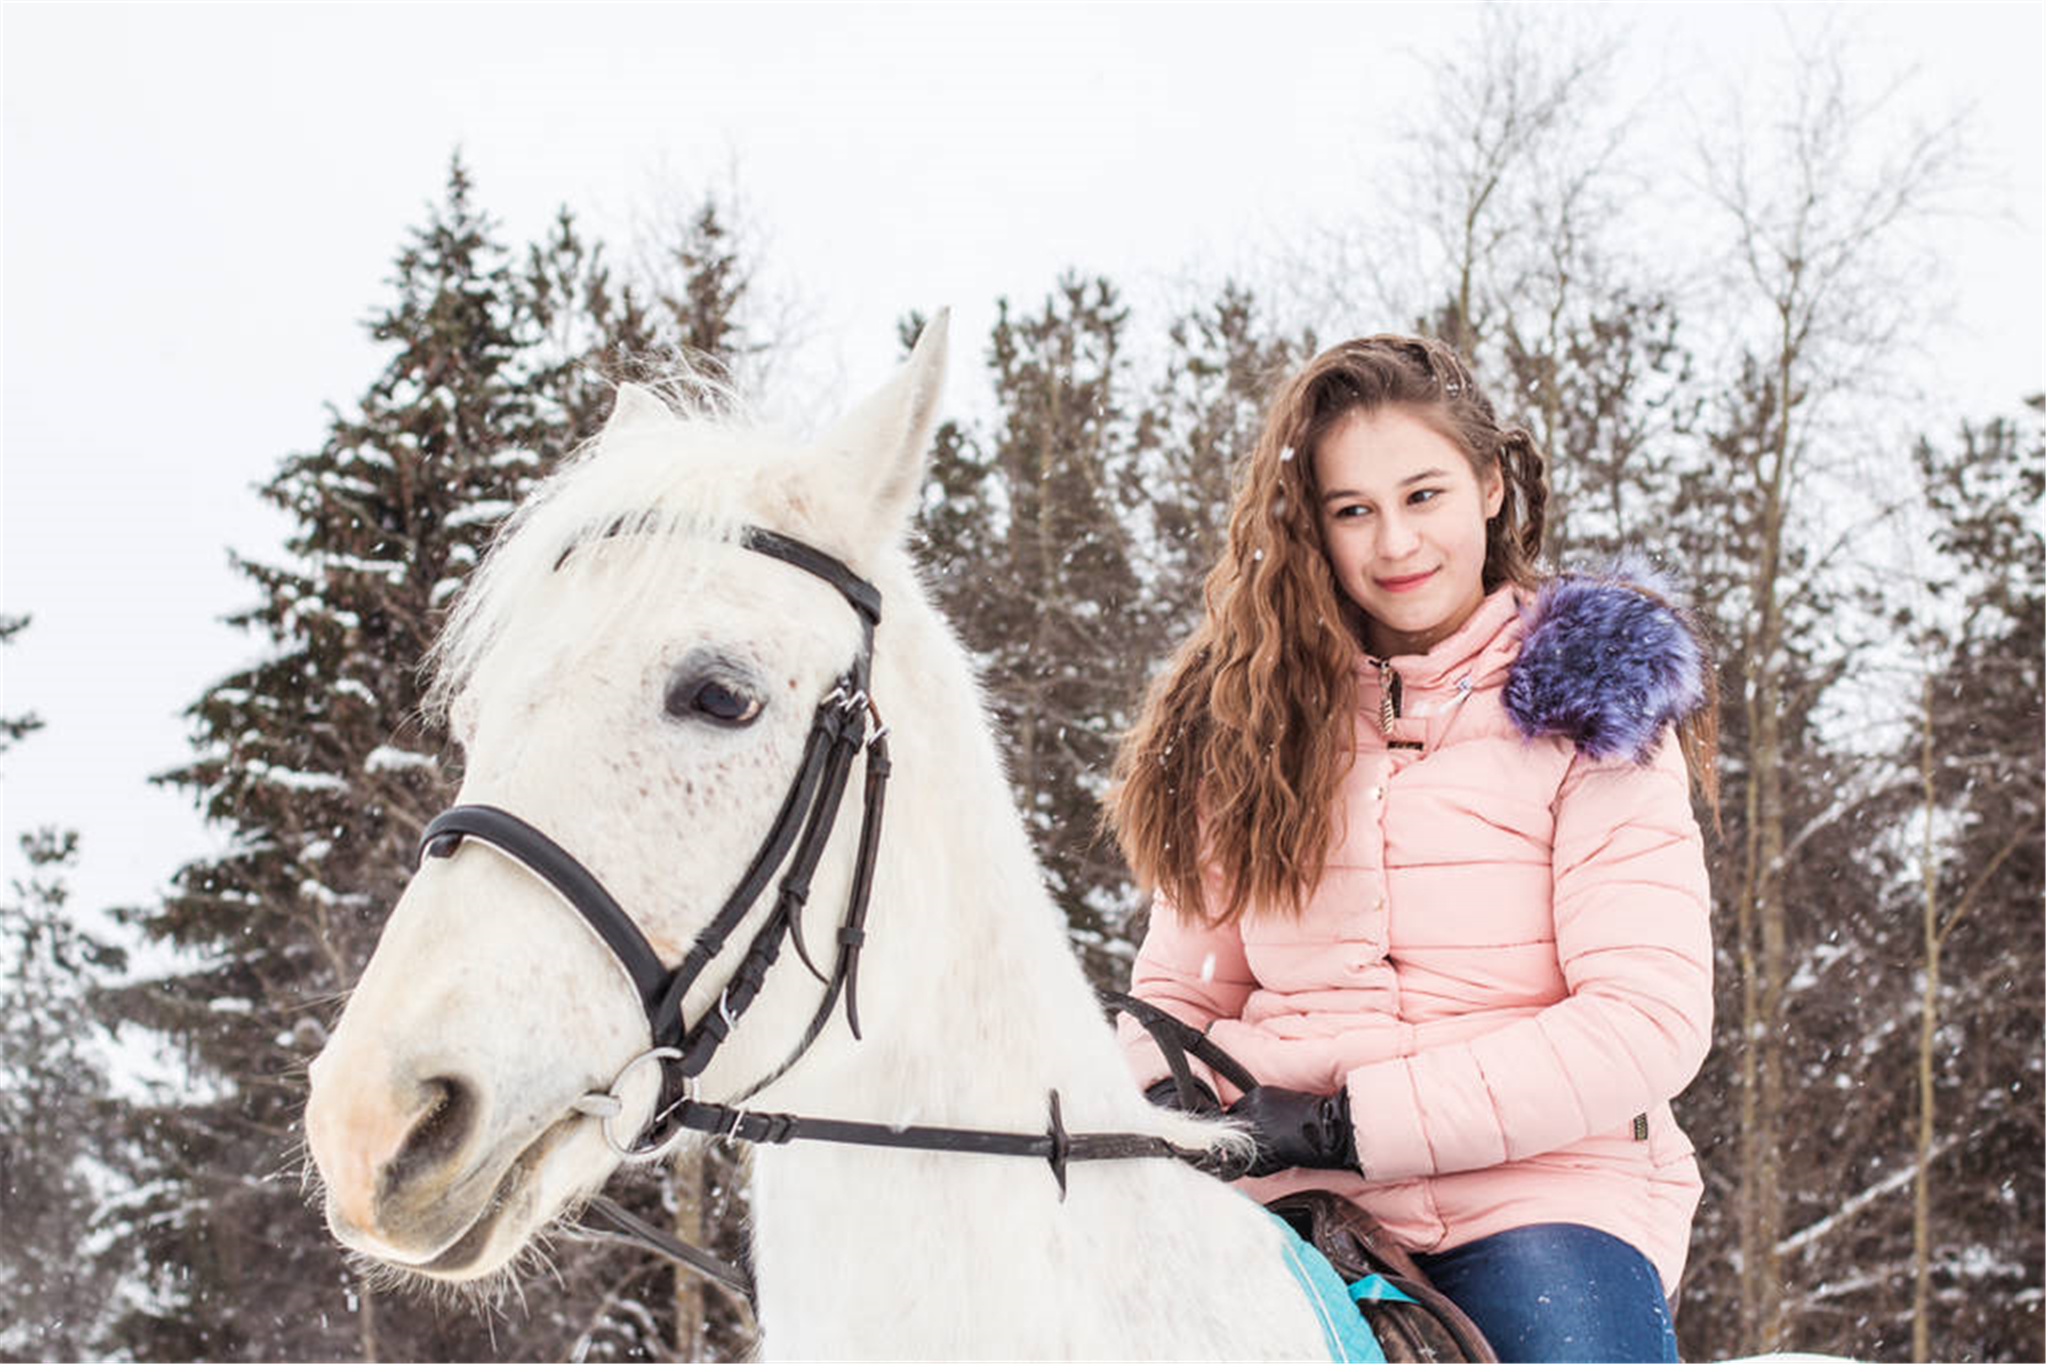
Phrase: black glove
x=1165 y=1094
x=1294 y=1128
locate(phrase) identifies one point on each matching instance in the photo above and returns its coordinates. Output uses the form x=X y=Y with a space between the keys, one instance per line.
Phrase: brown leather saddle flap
x=1429 y=1328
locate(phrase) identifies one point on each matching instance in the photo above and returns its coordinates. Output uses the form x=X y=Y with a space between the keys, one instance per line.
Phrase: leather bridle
x=682 y=1050
x=837 y=733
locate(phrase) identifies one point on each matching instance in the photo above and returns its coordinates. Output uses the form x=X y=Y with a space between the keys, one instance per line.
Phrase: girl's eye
x=1429 y=493
x=1351 y=512
x=709 y=699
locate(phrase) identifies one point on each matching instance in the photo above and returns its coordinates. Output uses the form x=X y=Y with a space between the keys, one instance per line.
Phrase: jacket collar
x=1483 y=647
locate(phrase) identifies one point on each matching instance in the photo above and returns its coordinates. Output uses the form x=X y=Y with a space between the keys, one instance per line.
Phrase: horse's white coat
x=973 y=1006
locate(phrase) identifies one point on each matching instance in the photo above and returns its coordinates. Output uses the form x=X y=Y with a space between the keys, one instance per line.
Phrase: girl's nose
x=1396 y=538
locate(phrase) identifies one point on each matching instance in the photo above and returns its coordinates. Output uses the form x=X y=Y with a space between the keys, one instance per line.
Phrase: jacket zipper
x=1388 y=695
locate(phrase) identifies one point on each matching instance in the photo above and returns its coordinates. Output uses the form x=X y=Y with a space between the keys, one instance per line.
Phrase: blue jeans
x=1558 y=1291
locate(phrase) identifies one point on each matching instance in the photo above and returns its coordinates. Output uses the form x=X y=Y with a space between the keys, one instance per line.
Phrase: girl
x=1425 y=860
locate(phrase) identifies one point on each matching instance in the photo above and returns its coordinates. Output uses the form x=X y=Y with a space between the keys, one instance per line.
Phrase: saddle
x=1413 y=1322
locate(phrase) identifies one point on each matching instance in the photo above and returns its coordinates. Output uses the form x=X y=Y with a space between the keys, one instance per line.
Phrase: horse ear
x=635 y=407
x=879 y=447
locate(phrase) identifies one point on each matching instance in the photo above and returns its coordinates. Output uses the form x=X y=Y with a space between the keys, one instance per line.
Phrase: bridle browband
x=838 y=733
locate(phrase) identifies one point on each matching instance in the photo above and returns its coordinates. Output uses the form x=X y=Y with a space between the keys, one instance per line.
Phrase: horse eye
x=712 y=700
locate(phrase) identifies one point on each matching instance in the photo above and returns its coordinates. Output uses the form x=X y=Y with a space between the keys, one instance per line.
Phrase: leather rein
x=682 y=1050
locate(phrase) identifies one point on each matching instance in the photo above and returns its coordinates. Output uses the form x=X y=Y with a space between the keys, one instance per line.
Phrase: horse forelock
x=641 y=507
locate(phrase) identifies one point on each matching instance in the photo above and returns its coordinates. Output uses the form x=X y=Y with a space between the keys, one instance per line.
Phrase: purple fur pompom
x=1603 y=665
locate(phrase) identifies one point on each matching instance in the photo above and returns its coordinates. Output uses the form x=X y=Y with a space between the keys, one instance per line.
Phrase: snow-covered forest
x=1870 y=1123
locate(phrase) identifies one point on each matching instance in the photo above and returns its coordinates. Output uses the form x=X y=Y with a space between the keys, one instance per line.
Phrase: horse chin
x=536 y=1186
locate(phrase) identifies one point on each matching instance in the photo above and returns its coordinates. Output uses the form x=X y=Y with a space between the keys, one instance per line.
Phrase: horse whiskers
x=509 y=1281
x=310 y=1186
x=542 y=1246
x=515 y=1280
x=296 y=1157
x=484 y=1296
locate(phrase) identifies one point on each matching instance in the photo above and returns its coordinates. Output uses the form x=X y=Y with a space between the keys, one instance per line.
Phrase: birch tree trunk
x=1819 y=244
x=366 y=1318
x=1928 y=1031
x=688 y=1179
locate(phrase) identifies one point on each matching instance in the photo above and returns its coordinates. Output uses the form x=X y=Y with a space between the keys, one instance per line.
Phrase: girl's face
x=1404 y=521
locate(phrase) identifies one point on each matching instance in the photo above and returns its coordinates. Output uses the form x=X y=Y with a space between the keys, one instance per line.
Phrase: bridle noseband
x=682 y=1051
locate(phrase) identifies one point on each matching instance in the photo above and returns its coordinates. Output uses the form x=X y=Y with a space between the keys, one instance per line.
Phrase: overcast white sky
x=201 y=204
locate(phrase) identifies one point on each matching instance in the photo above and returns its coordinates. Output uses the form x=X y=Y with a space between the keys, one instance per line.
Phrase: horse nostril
x=437 y=1135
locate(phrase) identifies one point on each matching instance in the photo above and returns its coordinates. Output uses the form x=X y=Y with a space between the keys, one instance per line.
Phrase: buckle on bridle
x=608 y=1105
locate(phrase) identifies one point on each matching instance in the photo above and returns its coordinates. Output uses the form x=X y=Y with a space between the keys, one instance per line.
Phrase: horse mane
x=634 y=505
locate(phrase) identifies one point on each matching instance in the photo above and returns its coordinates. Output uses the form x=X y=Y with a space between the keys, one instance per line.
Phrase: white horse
x=645 y=700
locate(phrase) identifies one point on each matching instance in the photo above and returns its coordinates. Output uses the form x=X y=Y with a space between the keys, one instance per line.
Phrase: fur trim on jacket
x=1605 y=664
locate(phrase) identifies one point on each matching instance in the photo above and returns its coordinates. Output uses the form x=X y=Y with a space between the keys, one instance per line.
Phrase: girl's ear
x=1495 y=491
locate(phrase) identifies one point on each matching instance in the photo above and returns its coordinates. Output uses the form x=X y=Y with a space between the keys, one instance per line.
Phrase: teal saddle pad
x=1343 y=1328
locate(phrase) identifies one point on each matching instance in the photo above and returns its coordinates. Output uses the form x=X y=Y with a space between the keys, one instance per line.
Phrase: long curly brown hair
x=1232 y=768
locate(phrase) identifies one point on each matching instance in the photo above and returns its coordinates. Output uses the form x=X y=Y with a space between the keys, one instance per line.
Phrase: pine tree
x=53 y=1097
x=703 y=284
x=1029 y=540
x=54 y=1106
x=321 y=762
x=584 y=330
x=1966 y=875
x=15 y=728
x=318 y=760
x=1914 y=878
x=1223 y=362
x=957 y=530
x=1605 y=388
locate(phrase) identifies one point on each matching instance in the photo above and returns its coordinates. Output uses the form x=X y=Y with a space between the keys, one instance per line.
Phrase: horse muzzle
x=413 y=1179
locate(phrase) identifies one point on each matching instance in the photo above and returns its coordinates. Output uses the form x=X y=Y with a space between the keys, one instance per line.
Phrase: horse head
x=627 y=674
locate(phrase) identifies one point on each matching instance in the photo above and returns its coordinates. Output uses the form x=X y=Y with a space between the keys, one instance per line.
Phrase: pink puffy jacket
x=1508 y=959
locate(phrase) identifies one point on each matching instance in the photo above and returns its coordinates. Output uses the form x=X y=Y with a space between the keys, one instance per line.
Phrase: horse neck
x=975 y=1010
